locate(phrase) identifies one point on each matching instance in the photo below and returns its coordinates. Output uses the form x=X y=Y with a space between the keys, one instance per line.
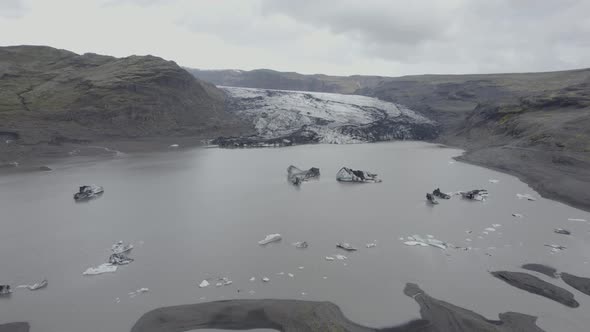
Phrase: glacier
x=283 y=117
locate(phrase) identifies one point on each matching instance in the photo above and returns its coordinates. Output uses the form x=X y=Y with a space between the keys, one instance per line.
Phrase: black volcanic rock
x=537 y=286
x=580 y=283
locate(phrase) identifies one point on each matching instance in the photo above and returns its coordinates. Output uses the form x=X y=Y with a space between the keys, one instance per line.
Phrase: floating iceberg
x=35 y=286
x=562 y=231
x=301 y=245
x=346 y=246
x=476 y=195
x=203 y=284
x=430 y=198
x=103 y=268
x=417 y=240
x=120 y=248
x=349 y=175
x=270 y=238
x=297 y=176
x=88 y=192
x=440 y=194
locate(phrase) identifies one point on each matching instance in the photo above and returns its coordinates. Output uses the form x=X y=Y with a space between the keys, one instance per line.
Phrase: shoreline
x=310 y=316
x=566 y=187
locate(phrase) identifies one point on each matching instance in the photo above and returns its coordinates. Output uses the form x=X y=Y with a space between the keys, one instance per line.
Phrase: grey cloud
x=142 y=3
x=11 y=8
x=504 y=35
x=372 y=21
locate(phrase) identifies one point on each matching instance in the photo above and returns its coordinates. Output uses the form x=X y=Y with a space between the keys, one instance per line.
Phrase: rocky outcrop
x=311 y=316
x=51 y=96
x=580 y=283
x=537 y=286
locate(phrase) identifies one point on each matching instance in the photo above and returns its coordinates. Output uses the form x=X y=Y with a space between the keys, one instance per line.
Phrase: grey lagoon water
x=199 y=213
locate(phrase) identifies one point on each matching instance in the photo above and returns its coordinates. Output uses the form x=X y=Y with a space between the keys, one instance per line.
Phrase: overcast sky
x=340 y=37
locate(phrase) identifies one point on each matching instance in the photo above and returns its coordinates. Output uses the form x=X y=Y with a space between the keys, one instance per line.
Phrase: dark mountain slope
x=51 y=96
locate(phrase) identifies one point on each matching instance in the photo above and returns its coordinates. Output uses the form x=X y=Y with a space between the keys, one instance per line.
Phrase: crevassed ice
x=279 y=112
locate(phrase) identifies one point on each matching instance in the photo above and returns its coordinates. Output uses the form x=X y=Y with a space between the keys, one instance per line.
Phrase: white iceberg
x=270 y=238
x=203 y=284
x=417 y=240
x=103 y=268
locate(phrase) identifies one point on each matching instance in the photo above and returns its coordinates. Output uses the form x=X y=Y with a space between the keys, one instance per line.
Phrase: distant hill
x=270 y=79
x=49 y=95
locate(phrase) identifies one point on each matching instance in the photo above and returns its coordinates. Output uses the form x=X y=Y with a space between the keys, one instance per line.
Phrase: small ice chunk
x=490 y=229
x=340 y=257
x=371 y=245
x=143 y=290
x=324 y=278
x=173 y=145
x=265 y=279
x=480 y=237
x=301 y=245
x=555 y=247
x=251 y=292
x=562 y=231
x=303 y=293
x=301 y=267
x=415 y=243
x=526 y=196
x=203 y=284
x=468 y=240
x=486 y=233
x=281 y=273
x=117 y=300
x=401 y=238
x=517 y=215
x=577 y=219
x=430 y=236
x=103 y=268
x=291 y=275
x=252 y=279
x=329 y=258
x=218 y=284
x=270 y=238
x=496 y=225
x=493 y=180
